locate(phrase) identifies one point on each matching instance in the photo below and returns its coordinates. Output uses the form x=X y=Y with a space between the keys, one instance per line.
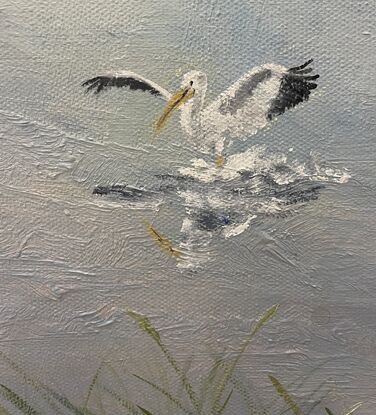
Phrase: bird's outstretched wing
x=256 y=98
x=295 y=88
x=124 y=79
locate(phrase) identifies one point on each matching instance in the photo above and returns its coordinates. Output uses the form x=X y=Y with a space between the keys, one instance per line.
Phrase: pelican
x=239 y=112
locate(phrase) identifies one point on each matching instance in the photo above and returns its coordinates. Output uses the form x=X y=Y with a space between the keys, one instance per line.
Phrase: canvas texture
x=78 y=254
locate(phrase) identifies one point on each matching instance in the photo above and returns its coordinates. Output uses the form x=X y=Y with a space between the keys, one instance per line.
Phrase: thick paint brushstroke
x=238 y=113
x=162 y=241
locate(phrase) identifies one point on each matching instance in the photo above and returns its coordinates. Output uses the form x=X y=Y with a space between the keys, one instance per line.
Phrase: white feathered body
x=237 y=113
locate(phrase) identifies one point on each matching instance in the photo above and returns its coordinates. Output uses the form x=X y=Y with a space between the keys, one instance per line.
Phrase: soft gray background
x=65 y=253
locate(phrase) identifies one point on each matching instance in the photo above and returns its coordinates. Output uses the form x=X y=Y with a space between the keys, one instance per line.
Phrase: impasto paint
x=239 y=112
x=168 y=172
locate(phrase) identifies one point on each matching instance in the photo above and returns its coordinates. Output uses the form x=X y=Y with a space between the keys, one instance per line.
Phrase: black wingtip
x=103 y=82
x=306 y=64
x=311 y=78
x=93 y=84
x=295 y=88
x=298 y=68
x=89 y=81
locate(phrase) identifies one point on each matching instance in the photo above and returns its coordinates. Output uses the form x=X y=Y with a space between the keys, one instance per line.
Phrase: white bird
x=239 y=112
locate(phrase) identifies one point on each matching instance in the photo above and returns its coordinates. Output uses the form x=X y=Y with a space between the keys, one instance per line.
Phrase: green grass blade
x=282 y=392
x=296 y=386
x=16 y=400
x=125 y=403
x=182 y=376
x=98 y=398
x=67 y=403
x=266 y=316
x=180 y=388
x=311 y=396
x=145 y=325
x=225 y=402
x=92 y=385
x=143 y=410
x=165 y=393
x=35 y=384
x=354 y=408
x=209 y=381
x=328 y=411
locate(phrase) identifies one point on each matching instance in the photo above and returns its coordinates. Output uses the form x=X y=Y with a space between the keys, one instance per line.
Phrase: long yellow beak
x=178 y=99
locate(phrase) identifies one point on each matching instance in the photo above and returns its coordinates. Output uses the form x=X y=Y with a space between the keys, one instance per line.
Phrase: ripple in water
x=224 y=201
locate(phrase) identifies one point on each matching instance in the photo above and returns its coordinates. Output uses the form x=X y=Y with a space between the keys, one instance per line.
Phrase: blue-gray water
x=72 y=262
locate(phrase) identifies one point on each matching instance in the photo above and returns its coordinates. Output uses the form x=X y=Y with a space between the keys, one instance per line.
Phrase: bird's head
x=196 y=79
x=194 y=85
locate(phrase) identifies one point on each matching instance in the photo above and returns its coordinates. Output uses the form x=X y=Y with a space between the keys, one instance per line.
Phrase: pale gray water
x=66 y=253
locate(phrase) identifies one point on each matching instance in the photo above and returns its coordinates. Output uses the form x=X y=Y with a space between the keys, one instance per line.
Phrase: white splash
x=256 y=159
x=253 y=184
x=235 y=230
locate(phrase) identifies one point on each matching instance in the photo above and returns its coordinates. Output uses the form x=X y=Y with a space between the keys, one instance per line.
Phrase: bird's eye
x=191 y=83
